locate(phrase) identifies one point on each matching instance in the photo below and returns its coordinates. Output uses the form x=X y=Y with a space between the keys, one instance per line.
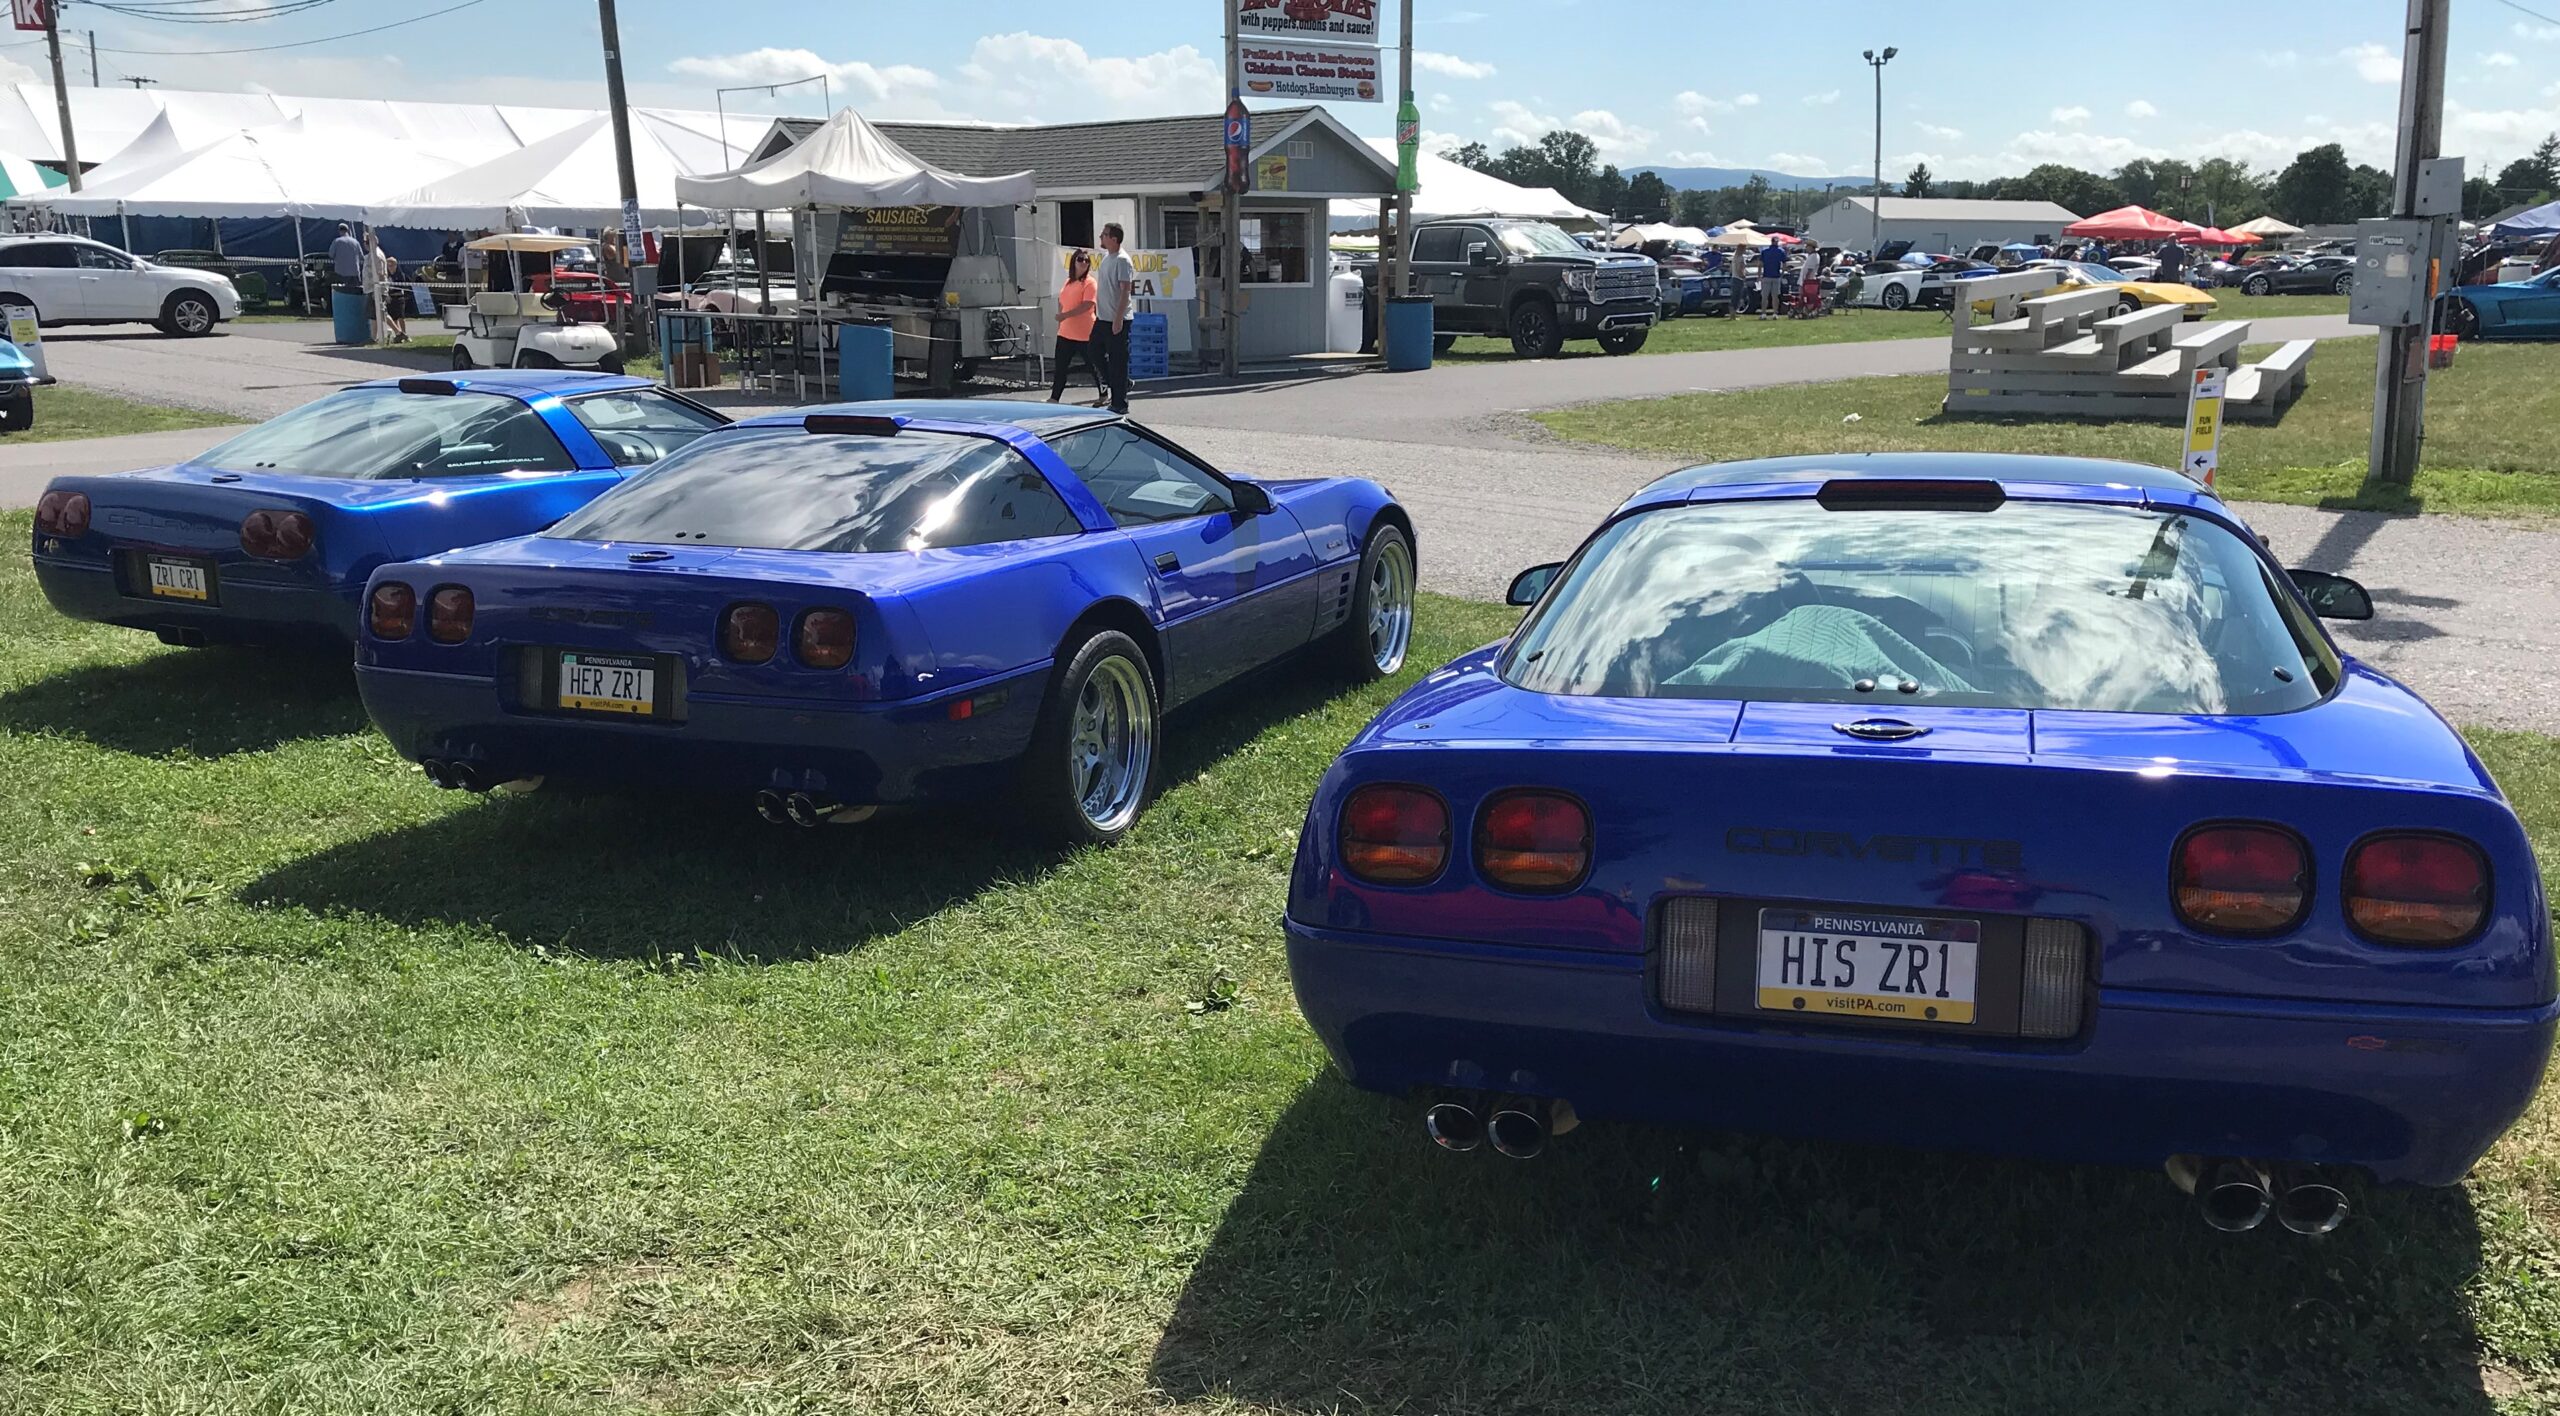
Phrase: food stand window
x=1275 y=247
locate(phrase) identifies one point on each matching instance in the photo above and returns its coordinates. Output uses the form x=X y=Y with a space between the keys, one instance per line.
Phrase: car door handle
x=1168 y=562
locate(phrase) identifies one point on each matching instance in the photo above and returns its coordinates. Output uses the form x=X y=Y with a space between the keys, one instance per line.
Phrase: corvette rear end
x=2008 y=817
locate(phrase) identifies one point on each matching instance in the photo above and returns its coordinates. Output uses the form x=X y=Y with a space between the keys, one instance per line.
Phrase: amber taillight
x=2410 y=888
x=1394 y=835
x=449 y=611
x=276 y=535
x=2241 y=879
x=1534 y=841
x=392 y=610
x=750 y=633
x=63 y=514
x=824 y=639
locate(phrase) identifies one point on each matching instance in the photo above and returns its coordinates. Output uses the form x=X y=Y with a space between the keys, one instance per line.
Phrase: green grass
x=1692 y=334
x=64 y=412
x=324 y=1091
x=2489 y=448
x=2236 y=306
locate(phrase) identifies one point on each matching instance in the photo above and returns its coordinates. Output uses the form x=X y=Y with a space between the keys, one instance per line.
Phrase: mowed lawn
x=64 y=413
x=2492 y=446
x=323 y=1091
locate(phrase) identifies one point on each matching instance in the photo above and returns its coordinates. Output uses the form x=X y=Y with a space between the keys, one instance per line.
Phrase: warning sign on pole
x=2204 y=426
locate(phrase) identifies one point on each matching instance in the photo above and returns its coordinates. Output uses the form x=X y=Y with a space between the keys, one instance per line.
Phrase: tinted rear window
x=2032 y=605
x=790 y=490
x=370 y=433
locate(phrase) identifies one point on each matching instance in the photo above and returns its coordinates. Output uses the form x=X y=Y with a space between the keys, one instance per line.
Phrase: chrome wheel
x=1111 y=744
x=1390 y=606
x=191 y=315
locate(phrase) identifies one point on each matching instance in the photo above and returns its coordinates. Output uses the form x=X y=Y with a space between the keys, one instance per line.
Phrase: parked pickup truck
x=1533 y=283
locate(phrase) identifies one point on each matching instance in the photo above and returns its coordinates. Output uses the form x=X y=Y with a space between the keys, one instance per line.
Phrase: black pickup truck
x=1533 y=283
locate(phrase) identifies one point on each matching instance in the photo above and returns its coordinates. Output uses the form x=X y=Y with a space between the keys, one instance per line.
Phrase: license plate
x=1859 y=964
x=608 y=683
x=178 y=580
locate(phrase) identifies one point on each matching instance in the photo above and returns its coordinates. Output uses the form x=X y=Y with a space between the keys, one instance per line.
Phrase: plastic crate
x=1150 y=344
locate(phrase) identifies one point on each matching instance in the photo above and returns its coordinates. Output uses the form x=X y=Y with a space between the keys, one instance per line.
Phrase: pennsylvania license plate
x=1859 y=964
x=608 y=683
x=179 y=579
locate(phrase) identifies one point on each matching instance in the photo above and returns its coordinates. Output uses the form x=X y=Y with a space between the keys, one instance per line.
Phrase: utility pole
x=644 y=274
x=61 y=92
x=93 y=58
x=1392 y=263
x=1239 y=176
x=2400 y=367
x=138 y=81
x=1875 y=201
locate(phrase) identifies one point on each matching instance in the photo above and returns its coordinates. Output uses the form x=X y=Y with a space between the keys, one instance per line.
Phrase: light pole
x=1875 y=201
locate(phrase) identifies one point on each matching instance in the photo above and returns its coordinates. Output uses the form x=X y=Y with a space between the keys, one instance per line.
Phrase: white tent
x=845 y=162
x=1630 y=237
x=566 y=179
x=1447 y=190
x=2268 y=227
x=279 y=170
x=1737 y=237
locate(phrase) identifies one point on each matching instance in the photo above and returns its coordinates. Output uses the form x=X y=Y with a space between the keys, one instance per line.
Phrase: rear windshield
x=2032 y=605
x=789 y=490
x=372 y=433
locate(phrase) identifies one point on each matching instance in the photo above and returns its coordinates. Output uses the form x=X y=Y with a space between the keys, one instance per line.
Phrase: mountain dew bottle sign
x=1408 y=142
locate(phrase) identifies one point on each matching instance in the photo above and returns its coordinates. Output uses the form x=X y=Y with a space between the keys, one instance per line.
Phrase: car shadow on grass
x=1633 y=1269
x=197 y=702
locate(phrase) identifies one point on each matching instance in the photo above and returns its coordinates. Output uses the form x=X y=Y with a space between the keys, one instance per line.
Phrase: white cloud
x=2074 y=114
x=1435 y=141
x=2097 y=152
x=1516 y=124
x=2140 y=108
x=1747 y=100
x=1944 y=135
x=2373 y=63
x=1450 y=65
x=870 y=86
x=1612 y=135
x=1700 y=126
x=1799 y=164
x=1027 y=76
x=1689 y=103
x=2536 y=32
x=1818 y=99
x=1442 y=103
x=1691 y=159
x=2499 y=60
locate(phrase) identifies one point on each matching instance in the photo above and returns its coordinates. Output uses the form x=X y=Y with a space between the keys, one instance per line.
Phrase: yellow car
x=2135 y=294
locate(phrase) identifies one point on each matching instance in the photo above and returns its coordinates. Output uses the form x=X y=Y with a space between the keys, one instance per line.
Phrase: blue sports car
x=268 y=538
x=828 y=610
x=2009 y=804
x=2517 y=309
x=18 y=384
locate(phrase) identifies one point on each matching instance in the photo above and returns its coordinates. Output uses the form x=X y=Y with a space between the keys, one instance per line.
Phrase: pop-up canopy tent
x=2267 y=228
x=2129 y=223
x=2534 y=224
x=845 y=162
x=2216 y=236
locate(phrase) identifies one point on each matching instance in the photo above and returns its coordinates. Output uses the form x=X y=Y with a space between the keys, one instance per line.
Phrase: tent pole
x=301 y=269
x=127 y=223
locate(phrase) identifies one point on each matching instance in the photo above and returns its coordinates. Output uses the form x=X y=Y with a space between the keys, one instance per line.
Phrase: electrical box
x=2392 y=257
x=2440 y=187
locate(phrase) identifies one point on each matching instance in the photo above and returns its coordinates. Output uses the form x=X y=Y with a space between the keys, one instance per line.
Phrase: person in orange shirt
x=1075 y=330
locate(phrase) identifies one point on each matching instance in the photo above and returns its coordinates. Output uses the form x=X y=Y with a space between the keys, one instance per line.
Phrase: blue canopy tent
x=2538 y=223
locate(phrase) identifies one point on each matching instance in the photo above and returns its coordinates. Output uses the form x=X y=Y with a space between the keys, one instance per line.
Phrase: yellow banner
x=1860 y=1005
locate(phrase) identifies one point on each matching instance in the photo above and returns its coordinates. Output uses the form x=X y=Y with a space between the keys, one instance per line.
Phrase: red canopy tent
x=2130 y=223
x=2216 y=236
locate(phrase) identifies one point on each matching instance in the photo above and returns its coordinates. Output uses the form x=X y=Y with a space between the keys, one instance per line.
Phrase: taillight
x=824 y=639
x=276 y=535
x=2241 y=879
x=750 y=633
x=1394 y=835
x=2417 y=889
x=392 y=610
x=1534 y=841
x=449 y=612
x=63 y=514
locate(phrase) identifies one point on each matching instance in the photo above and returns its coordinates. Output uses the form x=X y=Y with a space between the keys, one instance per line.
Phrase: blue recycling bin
x=1408 y=333
x=866 y=362
x=347 y=322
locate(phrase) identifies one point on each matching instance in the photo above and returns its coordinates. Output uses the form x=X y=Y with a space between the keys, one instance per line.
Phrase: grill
x=1624 y=282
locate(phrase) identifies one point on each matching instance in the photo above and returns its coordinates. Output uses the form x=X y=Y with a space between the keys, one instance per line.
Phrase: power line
x=174 y=15
x=2519 y=9
x=293 y=44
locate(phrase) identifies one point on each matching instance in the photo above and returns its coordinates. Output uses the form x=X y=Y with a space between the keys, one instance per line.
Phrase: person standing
x=2173 y=259
x=613 y=259
x=1115 y=282
x=346 y=257
x=1773 y=279
x=1075 y=331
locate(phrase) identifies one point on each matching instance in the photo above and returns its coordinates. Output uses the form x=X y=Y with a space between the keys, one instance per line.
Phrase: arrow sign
x=2204 y=425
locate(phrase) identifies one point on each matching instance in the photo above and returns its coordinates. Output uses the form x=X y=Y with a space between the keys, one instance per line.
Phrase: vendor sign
x=1162 y=275
x=900 y=231
x=1328 y=21
x=1341 y=72
x=2204 y=425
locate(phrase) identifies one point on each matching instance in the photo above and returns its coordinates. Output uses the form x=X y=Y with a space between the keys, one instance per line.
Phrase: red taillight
x=1394 y=835
x=824 y=639
x=392 y=610
x=63 y=514
x=750 y=633
x=276 y=535
x=2241 y=879
x=2414 y=889
x=449 y=612
x=1534 y=841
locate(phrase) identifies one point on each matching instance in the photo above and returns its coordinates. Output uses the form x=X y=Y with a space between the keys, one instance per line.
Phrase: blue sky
x=2088 y=85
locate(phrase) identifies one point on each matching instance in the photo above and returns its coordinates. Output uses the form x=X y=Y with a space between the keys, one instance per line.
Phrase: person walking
x=1075 y=331
x=1115 y=281
x=380 y=294
x=1773 y=280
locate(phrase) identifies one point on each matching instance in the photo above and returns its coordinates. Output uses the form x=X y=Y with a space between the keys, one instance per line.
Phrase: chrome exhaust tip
x=434 y=768
x=1518 y=1129
x=769 y=806
x=1453 y=1126
x=2307 y=1204
x=463 y=776
x=805 y=810
x=2233 y=1195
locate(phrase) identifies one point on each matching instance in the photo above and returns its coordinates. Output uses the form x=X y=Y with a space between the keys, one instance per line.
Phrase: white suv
x=74 y=281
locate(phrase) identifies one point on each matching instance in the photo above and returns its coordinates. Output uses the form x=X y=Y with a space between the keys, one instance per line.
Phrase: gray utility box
x=2392 y=259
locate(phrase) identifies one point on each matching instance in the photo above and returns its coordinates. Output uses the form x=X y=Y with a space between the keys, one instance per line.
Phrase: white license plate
x=608 y=683
x=1861 y=964
x=178 y=580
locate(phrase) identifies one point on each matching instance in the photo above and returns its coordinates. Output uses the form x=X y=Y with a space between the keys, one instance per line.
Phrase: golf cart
x=532 y=328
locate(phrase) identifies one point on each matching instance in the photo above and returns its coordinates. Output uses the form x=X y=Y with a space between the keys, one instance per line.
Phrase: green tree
x=2316 y=189
x=2225 y=193
x=1693 y=207
x=1755 y=198
x=1649 y=198
x=2534 y=174
x=2480 y=198
x=1606 y=192
x=2083 y=193
x=1471 y=155
x=2368 y=191
x=2155 y=183
x=1920 y=183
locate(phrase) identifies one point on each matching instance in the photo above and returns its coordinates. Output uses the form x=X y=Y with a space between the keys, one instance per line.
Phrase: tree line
x=2320 y=187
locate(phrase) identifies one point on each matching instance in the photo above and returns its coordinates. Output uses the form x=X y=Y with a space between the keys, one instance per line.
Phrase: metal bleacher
x=2020 y=347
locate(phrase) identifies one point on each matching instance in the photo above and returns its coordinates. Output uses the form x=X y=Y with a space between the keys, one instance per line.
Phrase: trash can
x=1408 y=333
x=866 y=361
x=348 y=318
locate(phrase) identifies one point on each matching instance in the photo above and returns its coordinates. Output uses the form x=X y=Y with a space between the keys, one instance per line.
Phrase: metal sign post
x=2400 y=366
x=1239 y=144
x=2203 y=456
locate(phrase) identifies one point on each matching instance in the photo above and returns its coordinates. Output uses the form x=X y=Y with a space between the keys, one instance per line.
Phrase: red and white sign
x=1343 y=72
x=29 y=14
x=1324 y=21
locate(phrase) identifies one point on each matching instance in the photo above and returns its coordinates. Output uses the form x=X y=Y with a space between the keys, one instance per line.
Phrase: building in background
x=1938 y=224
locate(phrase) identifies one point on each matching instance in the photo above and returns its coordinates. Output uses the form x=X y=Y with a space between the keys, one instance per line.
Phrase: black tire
x=1056 y=787
x=1368 y=646
x=2463 y=320
x=461 y=357
x=1442 y=344
x=189 y=314
x=2345 y=282
x=2257 y=285
x=18 y=410
x=609 y=364
x=1896 y=296
x=2127 y=305
x=535 y=359
x=1625 y=341
x=14 y=298
x=1535 y=331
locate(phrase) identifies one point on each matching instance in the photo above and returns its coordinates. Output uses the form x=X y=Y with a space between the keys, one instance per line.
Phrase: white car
x=71 y=281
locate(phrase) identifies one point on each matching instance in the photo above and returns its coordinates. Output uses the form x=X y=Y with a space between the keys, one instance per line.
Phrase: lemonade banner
x=1162 y=275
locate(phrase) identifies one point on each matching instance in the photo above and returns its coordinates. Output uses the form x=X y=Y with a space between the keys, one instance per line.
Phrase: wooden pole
x=61 y=92
x=1231 y=246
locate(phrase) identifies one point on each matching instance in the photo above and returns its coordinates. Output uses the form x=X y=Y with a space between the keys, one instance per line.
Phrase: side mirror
x=2333 y=596
x=1251 y=499
x=1479 y=254
x=1530 y=586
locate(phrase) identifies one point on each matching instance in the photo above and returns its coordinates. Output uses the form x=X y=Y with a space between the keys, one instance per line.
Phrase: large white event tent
x=283 y=169
x=1447 y=189
x=566 y=179
x=845 y=162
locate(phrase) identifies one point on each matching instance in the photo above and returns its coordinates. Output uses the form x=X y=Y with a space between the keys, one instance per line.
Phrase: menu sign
x=900 y=231
x=1345 y=73
x=1332 y=21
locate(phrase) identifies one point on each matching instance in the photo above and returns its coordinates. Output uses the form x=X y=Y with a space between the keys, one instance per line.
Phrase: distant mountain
x=1709 y=178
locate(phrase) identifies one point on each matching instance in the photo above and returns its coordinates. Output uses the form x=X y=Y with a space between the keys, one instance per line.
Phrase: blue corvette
x=268 y=538
x=1987 y=803
x=2516 y=309
x=829 y=610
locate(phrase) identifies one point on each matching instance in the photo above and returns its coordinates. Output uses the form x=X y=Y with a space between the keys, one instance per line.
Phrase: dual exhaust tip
x=1514 y=1126
x=806 y=811
x=458 y=776
x=2236 y=1196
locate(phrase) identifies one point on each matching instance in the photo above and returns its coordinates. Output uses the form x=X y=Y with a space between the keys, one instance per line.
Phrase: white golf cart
x=522 y=329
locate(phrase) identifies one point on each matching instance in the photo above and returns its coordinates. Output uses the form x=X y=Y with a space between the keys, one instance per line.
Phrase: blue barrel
x=1408 y=333
x=866 y=362
x=347 y=318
